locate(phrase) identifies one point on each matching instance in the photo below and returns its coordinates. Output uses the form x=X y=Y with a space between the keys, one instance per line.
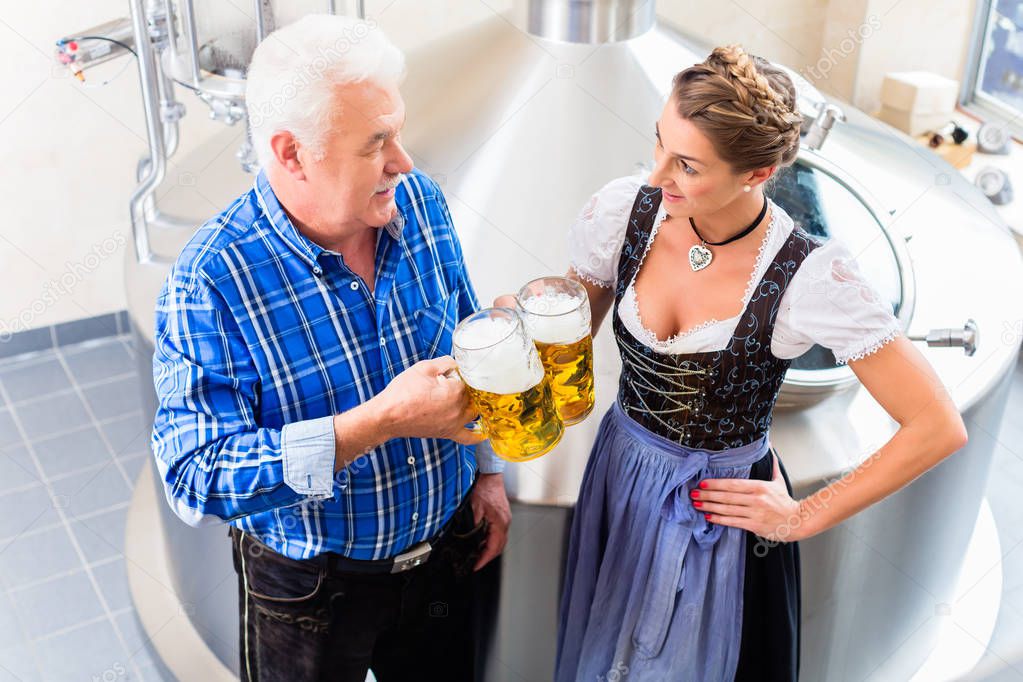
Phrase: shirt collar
x=299 y=243
x=396 y=225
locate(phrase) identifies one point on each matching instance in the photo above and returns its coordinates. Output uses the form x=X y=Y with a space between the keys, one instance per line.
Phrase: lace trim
x=879 y=341
x=755 y=276
x=649 y=337
x=592 y=280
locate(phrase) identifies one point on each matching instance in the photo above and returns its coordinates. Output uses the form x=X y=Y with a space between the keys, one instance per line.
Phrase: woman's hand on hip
x=761 y=507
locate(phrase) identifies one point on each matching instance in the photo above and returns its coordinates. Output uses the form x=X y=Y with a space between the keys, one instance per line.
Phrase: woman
x=683 y=562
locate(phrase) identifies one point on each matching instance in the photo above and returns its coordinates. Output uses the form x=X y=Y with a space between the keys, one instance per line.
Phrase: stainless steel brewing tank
x=527 y=128
x=519 y=130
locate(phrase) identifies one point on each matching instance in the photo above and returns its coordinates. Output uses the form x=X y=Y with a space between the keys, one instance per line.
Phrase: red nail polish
x=703 y=484
x=694 y=493
x=697 y=504
x=707 y=516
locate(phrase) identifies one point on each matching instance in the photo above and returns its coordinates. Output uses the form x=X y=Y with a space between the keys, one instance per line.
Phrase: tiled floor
x=72 y=440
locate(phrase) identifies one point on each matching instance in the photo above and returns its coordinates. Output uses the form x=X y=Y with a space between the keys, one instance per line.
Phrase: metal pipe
x=591 y=21
x=360 y=9
x=157 y=166
x=826 y=116
x=967 y=337
x=152 y=7
x=192 y=38
x=171 y=112
x=172 y=35
x=260 y=19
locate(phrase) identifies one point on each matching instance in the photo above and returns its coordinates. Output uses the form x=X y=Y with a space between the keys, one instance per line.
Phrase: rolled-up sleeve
x=487 y=460
x=308 y=451
x=216 y=461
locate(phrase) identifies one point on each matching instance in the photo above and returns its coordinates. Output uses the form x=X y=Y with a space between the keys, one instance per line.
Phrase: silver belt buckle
x=415 y=556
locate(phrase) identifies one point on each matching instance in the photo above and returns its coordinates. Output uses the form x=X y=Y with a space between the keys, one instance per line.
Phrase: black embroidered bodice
x=712 y=400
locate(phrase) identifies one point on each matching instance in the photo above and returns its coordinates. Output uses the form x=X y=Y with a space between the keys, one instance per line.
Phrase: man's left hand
x=489 y=500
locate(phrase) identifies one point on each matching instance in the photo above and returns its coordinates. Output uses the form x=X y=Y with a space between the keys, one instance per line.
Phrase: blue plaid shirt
x=262 y=336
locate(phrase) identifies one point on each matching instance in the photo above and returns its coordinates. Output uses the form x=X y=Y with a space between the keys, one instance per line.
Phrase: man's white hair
x=294 y=73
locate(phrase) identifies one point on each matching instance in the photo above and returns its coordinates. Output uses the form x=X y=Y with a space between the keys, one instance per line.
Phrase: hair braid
x=744 y=104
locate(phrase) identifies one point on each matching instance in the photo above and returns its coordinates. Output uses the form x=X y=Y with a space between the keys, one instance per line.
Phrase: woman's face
x=693 y=179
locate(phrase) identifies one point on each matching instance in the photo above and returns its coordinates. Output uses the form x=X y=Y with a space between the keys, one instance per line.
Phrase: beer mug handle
x=476 y=425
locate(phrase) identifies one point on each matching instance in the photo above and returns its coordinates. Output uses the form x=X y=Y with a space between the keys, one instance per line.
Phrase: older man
x=305 y=391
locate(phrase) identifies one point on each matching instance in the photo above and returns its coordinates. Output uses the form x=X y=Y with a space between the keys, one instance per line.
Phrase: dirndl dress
x=652 y=590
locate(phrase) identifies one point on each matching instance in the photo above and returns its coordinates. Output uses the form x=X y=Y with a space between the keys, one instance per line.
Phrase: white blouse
x=827 y=302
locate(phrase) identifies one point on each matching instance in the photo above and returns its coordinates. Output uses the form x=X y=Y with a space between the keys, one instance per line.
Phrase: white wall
x=788 y=32
x=66 y=156
x=844 y=47
x=68 y=152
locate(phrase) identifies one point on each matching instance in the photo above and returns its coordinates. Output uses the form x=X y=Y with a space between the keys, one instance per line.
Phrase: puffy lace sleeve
x=830 y=302
x=595 y=238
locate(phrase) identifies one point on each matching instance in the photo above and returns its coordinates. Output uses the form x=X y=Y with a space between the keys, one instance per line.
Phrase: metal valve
x=966 y=338
x=818 y=131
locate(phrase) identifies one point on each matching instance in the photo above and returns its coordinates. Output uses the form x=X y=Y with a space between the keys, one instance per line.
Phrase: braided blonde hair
x=745 y=105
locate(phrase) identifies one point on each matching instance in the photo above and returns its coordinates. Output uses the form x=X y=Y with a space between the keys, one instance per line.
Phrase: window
x=993 y=84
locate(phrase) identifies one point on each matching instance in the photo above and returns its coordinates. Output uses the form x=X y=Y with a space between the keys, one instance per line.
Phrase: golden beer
x=521 y=426
x=569 y=368
x=557 y=315
x=501 y=368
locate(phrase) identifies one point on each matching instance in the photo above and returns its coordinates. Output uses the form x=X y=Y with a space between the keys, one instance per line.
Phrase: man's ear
x=285 y=149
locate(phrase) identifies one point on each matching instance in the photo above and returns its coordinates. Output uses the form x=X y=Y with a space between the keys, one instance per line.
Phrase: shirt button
x=317 y=271
x=354 y=286
x=382 y=341
x=411 y=460
x=415 y=516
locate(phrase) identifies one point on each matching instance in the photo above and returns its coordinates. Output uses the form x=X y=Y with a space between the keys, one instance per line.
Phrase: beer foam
x=556 y=317
x=493 y=358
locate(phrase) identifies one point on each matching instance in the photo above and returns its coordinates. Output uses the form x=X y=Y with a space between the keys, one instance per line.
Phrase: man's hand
x=505 y=301
x=429 y=400
x=490 y=501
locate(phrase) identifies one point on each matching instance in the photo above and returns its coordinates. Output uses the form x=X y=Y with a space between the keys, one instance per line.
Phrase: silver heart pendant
x=699 y=257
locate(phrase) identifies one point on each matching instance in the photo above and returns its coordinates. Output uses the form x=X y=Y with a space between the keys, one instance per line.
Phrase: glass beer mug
x=556 y=311
x=499 y=364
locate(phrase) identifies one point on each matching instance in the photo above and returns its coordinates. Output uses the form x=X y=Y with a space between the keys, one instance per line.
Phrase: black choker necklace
x=700 y=256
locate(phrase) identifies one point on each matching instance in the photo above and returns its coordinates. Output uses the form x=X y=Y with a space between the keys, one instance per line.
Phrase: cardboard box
x=919 y=92
x=914 y=124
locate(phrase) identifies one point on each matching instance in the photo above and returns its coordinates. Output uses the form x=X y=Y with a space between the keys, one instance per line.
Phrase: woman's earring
x=746 y=188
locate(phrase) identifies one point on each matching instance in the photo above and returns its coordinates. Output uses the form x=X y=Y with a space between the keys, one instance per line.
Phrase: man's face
x=354 y=183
